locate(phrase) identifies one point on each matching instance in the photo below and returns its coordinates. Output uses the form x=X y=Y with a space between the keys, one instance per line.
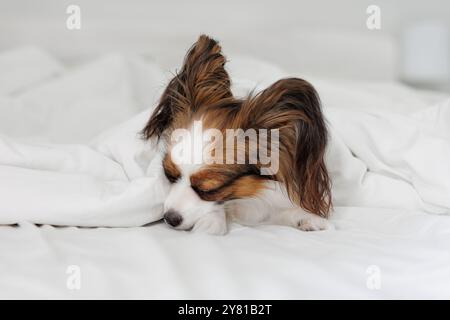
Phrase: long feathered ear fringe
x=202 y=81
x=293 y=106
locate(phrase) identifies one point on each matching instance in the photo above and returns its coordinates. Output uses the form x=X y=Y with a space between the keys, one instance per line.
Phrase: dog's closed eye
x=223 y=186
x=172 y=178
x=201 y=191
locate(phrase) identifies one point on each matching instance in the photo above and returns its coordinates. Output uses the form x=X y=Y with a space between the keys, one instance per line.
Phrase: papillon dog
x=234 y=181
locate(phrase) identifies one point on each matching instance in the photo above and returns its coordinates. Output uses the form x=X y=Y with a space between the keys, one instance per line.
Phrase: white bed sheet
x=387 y=244
x=408 y=249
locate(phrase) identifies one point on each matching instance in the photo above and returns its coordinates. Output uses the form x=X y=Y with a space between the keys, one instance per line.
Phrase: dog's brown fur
x=202 y=90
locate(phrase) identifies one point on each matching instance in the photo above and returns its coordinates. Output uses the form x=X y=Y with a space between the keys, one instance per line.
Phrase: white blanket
x=389 y=149
x=376 y=158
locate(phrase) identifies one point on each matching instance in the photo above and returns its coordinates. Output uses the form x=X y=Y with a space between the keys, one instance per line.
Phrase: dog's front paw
x=312 y=222
x=211 y=224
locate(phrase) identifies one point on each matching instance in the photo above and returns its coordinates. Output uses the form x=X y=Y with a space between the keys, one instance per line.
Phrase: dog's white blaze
x=197 y=146
x=192 y=146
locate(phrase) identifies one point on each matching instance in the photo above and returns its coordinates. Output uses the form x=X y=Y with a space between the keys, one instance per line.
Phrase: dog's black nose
x=173 y=218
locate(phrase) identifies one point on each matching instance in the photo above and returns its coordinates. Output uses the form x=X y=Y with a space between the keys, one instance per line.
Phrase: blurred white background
x=324 y=37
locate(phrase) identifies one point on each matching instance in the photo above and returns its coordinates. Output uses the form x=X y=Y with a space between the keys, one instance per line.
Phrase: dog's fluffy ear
x=202 y=81
x=293 y=106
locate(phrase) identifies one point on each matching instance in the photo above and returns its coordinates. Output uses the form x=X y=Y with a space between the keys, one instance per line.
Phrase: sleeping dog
x=212 y=143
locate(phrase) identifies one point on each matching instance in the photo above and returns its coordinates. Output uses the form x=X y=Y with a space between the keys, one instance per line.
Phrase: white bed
x=392 y=237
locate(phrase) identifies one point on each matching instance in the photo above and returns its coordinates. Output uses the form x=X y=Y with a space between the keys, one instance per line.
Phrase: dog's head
x=219 y=148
